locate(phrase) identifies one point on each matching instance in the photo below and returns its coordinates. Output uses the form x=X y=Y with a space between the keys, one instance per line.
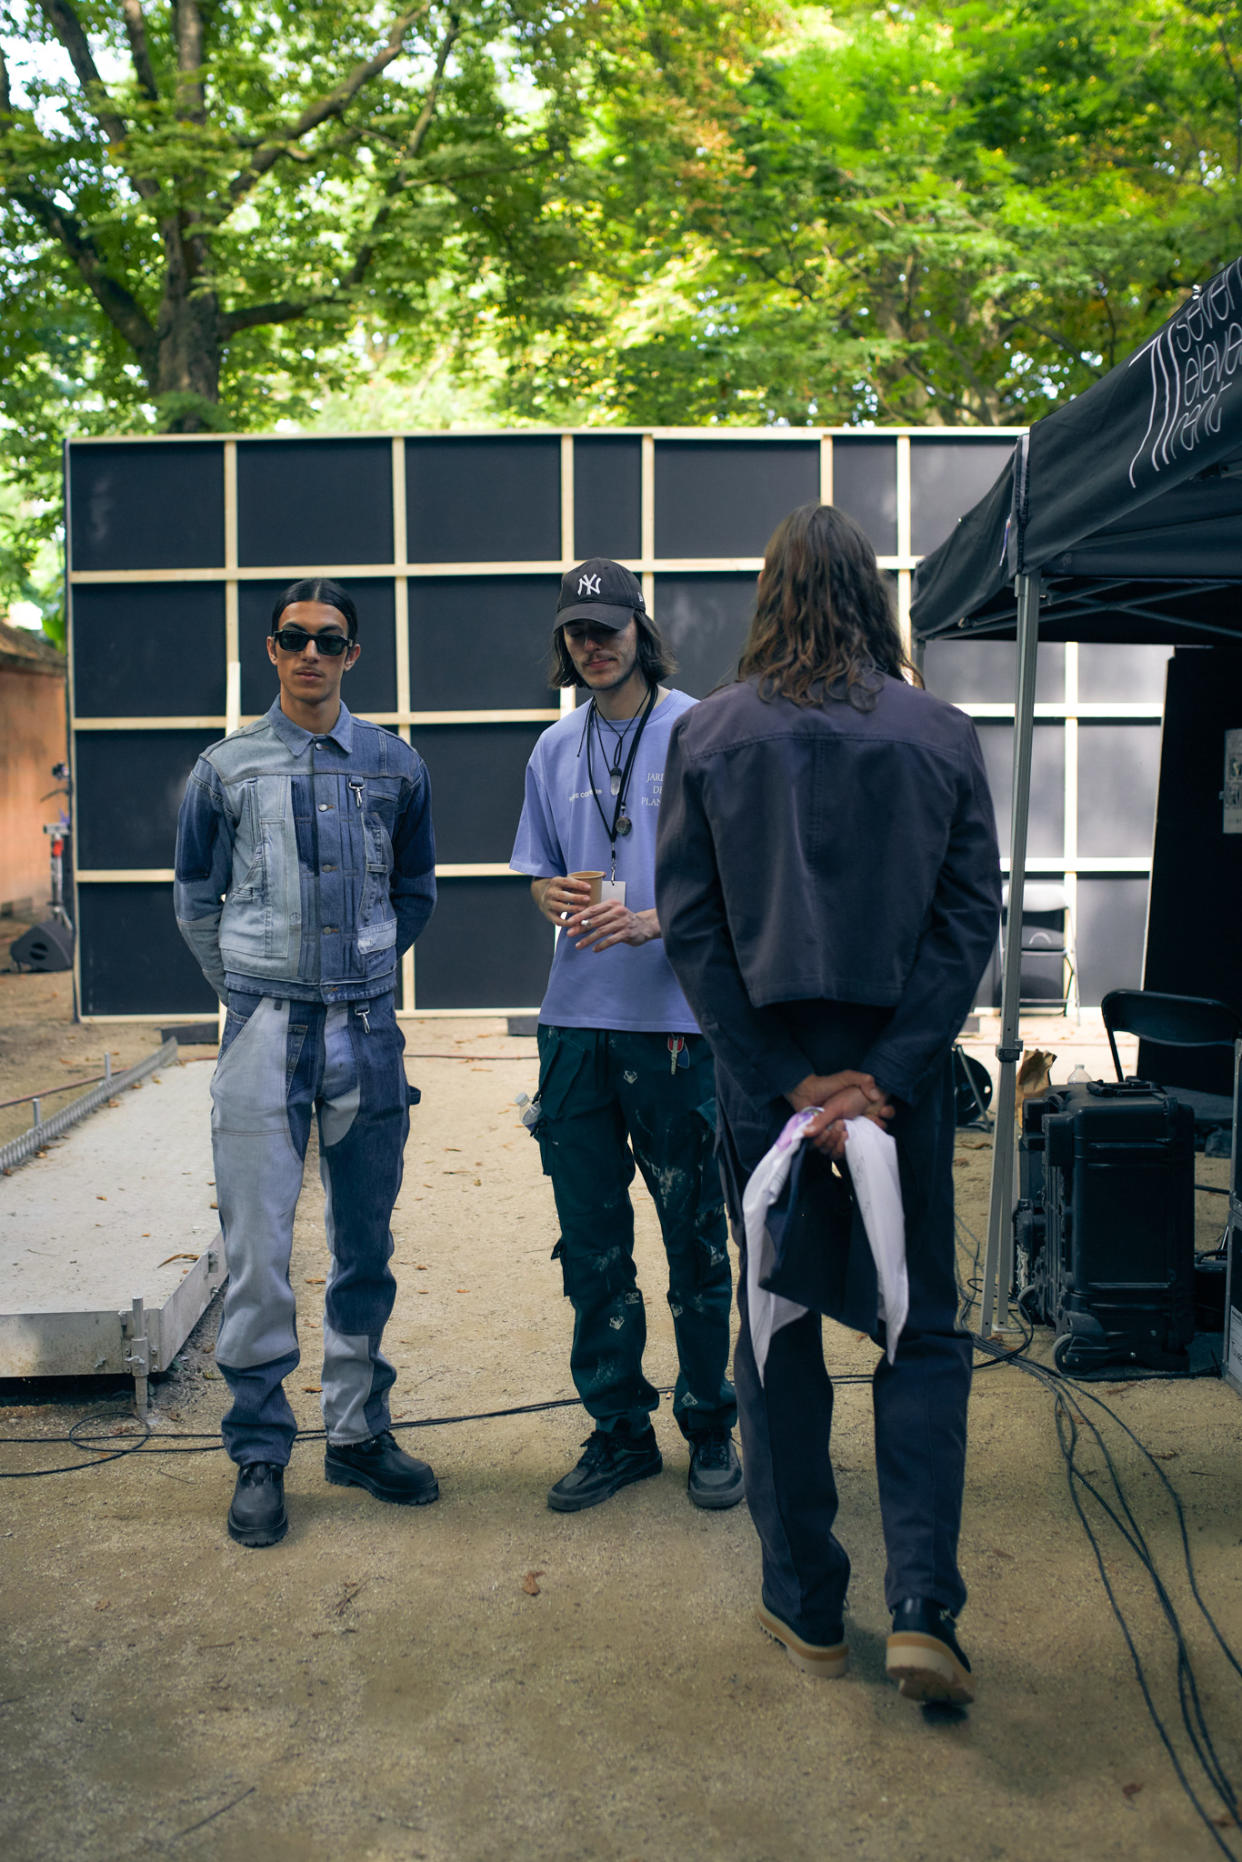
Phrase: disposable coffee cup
x=595 y=881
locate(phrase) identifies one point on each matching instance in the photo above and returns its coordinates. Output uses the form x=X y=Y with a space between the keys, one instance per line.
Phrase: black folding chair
x=1181 y=1022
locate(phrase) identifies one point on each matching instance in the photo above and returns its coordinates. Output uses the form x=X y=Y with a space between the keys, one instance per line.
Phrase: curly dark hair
x=823 y=616
x=655 y=659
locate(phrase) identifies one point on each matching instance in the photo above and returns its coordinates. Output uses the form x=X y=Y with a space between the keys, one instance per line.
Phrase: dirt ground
x=486 y=1679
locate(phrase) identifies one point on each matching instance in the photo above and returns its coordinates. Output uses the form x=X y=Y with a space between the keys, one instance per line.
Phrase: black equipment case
x=1104 y=1228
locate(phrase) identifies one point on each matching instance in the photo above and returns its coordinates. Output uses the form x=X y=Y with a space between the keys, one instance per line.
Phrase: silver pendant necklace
x=614 y=763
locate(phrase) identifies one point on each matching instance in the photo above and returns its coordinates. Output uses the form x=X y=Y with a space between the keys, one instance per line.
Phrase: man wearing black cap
x=625 y=1076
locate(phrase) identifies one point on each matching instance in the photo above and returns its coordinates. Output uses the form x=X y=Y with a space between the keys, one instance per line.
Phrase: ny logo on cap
x=588 y=585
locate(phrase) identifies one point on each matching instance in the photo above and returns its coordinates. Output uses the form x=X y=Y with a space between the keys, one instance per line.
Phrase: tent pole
x=998 y=1260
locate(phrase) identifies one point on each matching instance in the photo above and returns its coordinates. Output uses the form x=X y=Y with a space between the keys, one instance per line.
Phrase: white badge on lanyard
x=612 y=889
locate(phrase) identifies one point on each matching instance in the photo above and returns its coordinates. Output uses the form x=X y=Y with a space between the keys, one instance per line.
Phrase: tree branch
x=324 y=107
x=136 y=32
x=118 y=304
x=396 y=181
x=68 y=29
x=285 y=311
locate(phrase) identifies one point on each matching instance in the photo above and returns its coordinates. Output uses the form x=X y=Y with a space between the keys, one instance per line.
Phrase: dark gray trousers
x=919 y=1401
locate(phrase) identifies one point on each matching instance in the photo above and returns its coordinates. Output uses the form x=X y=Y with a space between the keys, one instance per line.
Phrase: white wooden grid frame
x=1068 y=710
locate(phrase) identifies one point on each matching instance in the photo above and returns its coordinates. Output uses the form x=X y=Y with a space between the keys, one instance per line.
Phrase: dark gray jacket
x=823 y=853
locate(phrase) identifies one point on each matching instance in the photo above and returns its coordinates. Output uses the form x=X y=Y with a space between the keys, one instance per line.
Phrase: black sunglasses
x=293 y=640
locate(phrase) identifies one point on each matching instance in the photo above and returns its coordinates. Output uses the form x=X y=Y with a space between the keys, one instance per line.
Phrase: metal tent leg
x=998 y=1258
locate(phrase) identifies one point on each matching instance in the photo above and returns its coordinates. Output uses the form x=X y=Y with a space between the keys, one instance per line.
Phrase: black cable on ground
x=1071 y=1422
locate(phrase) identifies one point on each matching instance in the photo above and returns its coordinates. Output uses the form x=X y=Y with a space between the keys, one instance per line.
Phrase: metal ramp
x=110 y=1248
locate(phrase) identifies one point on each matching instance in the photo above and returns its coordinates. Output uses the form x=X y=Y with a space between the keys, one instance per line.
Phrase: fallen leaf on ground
x=101 y=1199
x=1130 y=1790
x=530 y=1583
x=315 y=1280
x=176 y=1257
x=312 y=1389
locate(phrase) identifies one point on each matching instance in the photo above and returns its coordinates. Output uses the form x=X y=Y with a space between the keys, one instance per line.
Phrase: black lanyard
x=621 y=823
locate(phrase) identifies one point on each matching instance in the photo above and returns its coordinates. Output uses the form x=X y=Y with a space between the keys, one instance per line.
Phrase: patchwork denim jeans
x=280 y=1061
x=610 y=1099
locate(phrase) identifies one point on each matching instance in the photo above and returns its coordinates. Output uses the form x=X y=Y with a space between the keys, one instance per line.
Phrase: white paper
x=612 y=889
x=768 y=1312
x=871 y=1155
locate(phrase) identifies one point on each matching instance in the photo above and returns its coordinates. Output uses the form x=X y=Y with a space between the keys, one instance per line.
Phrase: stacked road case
x=1104 y=1228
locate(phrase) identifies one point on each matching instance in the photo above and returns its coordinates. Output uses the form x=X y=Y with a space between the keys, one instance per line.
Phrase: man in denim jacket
x=305 y=867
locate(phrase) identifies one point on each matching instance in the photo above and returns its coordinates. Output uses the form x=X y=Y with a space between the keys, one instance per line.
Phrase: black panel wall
x=149 y=649
x=453 y=546
x=481 y=642
x=1193 y=942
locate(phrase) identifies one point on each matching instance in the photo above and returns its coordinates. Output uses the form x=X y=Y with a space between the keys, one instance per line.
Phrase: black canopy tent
x=1118 y=517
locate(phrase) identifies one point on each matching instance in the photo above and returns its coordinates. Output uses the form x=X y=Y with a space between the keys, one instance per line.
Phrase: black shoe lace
x=712 y=1451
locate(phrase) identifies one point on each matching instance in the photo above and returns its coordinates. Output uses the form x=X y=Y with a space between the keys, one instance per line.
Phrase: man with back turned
x=829 y=889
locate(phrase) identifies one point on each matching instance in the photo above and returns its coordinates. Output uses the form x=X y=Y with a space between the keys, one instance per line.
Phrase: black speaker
x=46 y=946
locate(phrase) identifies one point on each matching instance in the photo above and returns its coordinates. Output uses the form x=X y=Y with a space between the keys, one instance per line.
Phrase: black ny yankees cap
x=600 y=590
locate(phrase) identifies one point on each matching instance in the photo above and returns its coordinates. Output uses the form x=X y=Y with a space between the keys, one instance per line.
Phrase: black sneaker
x=612 y=1460
x=257 y=1515
x=383 y=1469
x=924 y=1656
x=715 y=1471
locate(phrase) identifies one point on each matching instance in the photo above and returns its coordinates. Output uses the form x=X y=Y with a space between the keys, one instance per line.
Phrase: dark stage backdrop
x=453 y=546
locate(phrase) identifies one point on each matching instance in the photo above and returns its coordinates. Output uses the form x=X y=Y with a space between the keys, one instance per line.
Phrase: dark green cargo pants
x=609 y=1099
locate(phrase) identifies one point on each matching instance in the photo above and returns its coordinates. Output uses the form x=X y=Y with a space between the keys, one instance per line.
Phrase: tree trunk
x=187 y=336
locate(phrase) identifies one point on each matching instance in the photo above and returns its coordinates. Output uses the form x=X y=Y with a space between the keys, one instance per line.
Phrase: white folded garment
x=871 y=1155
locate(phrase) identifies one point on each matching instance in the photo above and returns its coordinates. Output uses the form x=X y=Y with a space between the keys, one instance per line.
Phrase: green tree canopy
x=959 y=211
x=212 y=212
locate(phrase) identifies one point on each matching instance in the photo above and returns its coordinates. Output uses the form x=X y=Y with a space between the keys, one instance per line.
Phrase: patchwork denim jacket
x=305 y=865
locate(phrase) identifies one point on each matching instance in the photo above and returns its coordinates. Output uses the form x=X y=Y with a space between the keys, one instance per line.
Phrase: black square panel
x=947 y=478
x=309 y=502
x=481 y=643
x=129 y=786
x=1118 y=772
x=478 y=779
x=134 y=959
x=986 y=671
x=1046 y=822
x=864 y=486
x=370 y=684
x=486 y=947
x=148 y=650
x=726 y=497
x=1111 y=915
x=483 y=500
x=147 y=506
x=608 y=473
x=704 y=618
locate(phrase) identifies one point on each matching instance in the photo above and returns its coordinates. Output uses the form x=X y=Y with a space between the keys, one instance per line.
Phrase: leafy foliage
x=216 y=212
x=951 y=212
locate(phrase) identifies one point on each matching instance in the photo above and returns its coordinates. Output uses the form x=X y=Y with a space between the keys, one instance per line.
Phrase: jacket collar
x=296 y=739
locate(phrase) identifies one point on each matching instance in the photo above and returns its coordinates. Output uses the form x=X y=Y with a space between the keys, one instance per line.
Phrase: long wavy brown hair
x=824 y=625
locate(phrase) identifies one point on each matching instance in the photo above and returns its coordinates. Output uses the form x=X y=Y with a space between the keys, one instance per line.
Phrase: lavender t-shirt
x=561 y=832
